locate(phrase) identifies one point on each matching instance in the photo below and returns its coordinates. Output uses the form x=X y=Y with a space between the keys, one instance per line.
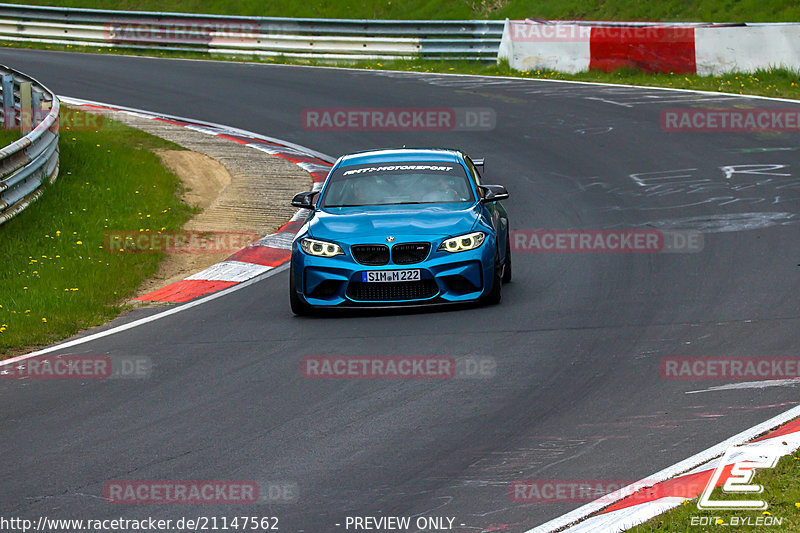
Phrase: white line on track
x=456 y=75
x=694 y=461
x=750 y=385
x=228 y=129
x=147 y=319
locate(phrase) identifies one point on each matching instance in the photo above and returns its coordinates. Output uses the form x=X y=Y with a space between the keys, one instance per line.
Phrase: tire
x=507 y=262
x=496 y=294
x=299 y=307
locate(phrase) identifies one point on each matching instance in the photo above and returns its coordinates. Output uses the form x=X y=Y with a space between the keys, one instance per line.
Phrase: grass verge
x=781 y=492
x=57 y=278
x=9 y=136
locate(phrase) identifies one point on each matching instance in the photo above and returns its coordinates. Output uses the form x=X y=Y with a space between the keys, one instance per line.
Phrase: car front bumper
x=444 y=278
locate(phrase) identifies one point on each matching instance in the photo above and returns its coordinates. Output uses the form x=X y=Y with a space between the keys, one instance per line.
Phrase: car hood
x=396 y=220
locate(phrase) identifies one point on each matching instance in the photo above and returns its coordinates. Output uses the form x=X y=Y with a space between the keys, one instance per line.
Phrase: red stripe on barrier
x=262 y=141
x=185 y=290
x=791 y=427
x=649 y=48
x=173 y=122
x=692 y=485
x=290 y=227
x=318 y=176
x=688 y=486
x=240 y=141
x=294 y=158
x=262 y=255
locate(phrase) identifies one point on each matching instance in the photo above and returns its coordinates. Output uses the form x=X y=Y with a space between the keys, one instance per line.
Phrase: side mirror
x=304 y=200
x=478 y=163
x=493 y=193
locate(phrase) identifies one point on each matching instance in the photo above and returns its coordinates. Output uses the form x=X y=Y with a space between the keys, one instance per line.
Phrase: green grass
x=781 y=492
x=56 y=277
x=8 y=136
x=667 y=10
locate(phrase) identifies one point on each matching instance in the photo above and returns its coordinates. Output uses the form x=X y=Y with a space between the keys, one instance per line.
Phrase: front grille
x=387 y=292
x=410 y=253
x=371 y=254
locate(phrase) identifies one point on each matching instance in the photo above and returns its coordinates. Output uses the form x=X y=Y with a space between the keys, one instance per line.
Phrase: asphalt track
x=577 y=339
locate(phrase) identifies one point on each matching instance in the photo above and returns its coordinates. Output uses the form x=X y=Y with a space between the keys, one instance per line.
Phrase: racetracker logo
x=397 y=367
x=69 y=119
x=399 y=119
x=531 y=31
x=586 y=490
x=730 y=368
x=181 y=30
x=727 y=120
x=79 y=367
x=177 y=242
x=606 y=241
x=199 y=492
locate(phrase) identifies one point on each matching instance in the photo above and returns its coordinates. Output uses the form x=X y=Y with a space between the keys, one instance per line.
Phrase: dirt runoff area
x=204 y=179
x=236 y=188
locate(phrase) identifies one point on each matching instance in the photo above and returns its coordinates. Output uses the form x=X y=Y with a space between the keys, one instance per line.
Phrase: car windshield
x=402 y=183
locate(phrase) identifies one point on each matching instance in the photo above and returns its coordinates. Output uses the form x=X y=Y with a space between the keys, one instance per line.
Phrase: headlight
x=462 y=243
x=320 y=248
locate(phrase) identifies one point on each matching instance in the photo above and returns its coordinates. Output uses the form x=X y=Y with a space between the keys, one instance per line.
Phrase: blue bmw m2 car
x=400 y=227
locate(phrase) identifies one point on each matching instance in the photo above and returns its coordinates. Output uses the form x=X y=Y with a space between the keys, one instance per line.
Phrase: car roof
x=401 y=154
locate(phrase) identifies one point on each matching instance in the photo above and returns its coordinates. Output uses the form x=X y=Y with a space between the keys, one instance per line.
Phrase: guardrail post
x=36 y=105
x=9 y=115
x=25 y=116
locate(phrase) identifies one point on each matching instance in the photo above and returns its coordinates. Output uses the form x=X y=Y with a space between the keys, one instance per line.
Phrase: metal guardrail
x=28 y=163
x=326 y=39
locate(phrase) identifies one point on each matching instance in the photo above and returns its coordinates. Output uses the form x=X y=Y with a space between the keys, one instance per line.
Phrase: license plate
x=389 y=276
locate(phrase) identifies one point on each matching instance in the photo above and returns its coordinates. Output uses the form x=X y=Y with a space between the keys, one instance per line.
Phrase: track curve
x=577 y=339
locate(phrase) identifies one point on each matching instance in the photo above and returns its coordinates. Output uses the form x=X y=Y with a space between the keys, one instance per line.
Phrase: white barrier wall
x=565 y=47
x=532 y=46
x=747 y=48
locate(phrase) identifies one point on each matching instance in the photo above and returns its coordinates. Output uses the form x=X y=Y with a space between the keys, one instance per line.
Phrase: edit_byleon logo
x=739 y=478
